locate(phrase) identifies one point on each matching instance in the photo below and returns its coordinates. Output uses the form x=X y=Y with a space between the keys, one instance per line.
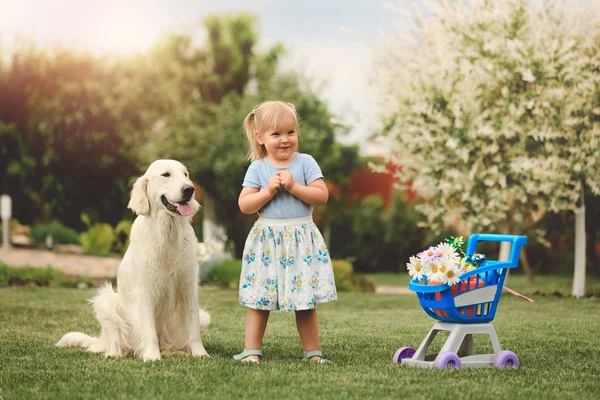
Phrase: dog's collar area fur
x=169 y=206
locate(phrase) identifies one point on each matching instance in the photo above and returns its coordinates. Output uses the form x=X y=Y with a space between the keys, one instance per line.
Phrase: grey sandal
x=316 y=353
x=243 y=356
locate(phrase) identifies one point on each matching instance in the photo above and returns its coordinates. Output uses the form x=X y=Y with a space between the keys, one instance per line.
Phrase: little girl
x=286 y=265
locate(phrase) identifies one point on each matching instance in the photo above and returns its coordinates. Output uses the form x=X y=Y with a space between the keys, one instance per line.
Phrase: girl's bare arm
x=253 y=199
x=315 y=194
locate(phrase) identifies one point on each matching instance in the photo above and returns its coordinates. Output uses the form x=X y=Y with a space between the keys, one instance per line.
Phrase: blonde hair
x=267 y=116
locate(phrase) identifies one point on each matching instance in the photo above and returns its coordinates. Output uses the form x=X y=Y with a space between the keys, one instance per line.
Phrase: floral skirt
x=286 y=266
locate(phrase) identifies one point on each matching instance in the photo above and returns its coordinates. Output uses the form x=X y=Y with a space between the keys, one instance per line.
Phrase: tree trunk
x=505 y=248
x=579 y=269
x=504 y=253
x=527 y=266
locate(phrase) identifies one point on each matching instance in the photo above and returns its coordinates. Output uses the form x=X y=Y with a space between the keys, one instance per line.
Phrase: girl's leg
x=256 y=323
x=308 y=328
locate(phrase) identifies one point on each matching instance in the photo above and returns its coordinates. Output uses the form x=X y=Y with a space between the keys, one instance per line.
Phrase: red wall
x=364 y=182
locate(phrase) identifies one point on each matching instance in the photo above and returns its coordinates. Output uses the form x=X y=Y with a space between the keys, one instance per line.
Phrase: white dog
x=156 y=306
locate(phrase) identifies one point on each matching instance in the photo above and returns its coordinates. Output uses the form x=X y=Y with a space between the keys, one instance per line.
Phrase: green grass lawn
x=556 y=340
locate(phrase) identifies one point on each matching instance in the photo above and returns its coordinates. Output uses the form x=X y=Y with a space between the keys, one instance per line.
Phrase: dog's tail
x=103 y=304
x=76 y=339
x=204 y=320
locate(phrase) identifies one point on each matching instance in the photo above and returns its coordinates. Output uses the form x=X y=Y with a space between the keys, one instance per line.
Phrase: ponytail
x=257 y=151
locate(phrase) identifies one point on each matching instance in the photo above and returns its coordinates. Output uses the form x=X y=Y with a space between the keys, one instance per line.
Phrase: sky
x=329 y=40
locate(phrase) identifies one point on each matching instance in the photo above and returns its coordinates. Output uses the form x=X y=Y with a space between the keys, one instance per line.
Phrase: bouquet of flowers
x=444 y=263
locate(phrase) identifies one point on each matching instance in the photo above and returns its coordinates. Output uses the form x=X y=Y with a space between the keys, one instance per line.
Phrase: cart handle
x=515 y=250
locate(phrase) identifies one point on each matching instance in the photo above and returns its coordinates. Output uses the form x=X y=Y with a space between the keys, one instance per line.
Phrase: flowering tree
x=493 y=108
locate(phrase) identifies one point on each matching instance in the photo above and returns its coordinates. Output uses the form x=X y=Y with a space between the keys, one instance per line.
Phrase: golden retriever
x=155 y=309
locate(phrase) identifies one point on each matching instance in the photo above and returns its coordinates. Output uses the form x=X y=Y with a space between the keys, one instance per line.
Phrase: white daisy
x=446 y=263
x=447 y=250
x=435 y=273
x=452 y=275
x=415 y=268
x=443 y=278
x=426 y=268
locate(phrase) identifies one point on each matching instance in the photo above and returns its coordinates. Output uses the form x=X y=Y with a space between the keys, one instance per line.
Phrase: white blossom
x=492 y=109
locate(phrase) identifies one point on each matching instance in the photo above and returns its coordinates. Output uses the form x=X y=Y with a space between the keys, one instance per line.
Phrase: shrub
x=31 y=276
x=347 y=281
x=227 y=273
x=60 y=233
x=99 y=238
x=122 y=232
x=363 y=283
x=3 y=274
x=102 y=240
x=385 y=237
x=342 y=272
x=43 y=277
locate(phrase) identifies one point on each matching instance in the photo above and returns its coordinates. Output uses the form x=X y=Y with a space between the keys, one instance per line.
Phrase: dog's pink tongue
x=184 y=209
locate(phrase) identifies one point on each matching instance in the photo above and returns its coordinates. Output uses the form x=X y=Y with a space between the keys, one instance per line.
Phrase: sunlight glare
x=95 y=26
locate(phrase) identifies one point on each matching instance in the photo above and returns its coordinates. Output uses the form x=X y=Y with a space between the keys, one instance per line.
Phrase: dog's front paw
x=151 y=355
x=198 y=350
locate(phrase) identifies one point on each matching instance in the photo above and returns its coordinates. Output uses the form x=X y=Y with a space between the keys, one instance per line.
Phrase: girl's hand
x=274 y=184
x=287 y=180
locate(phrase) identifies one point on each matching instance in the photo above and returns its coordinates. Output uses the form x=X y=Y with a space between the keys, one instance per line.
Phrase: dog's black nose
x=188 y=192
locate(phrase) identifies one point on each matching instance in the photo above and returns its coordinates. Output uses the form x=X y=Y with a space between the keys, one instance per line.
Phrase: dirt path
x=392 y=290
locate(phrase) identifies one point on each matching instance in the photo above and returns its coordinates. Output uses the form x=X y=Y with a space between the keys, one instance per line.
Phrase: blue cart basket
x=464 y=309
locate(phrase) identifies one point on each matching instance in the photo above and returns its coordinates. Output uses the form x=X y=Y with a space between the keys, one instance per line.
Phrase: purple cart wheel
x=447 y=359
x=402 y=353
x=506 y=359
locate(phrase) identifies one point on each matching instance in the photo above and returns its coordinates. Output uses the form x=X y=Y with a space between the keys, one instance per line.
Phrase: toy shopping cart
x=465 y=309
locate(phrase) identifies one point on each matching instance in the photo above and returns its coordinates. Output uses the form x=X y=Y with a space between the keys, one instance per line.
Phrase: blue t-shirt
x=304 y=169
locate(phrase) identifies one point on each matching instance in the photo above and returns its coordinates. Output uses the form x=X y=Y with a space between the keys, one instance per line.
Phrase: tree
x=213 y=87
x=70 y=111
x=492 y=110
x=76 y=128
x=16 y=165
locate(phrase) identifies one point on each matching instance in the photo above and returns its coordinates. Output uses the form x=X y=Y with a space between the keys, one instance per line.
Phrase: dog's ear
x=139 y=203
